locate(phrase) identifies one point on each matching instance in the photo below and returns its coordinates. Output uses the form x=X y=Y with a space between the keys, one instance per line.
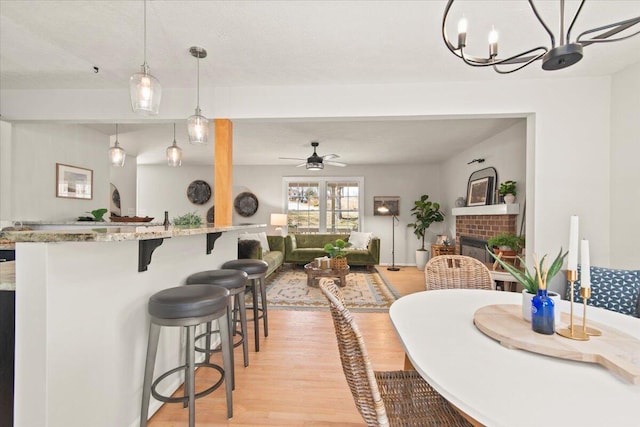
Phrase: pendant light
x=144 y=89
x=174 y=153
x=198 y=125
x=117 y=155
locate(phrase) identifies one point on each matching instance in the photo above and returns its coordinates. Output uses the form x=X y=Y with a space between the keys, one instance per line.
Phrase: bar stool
x=186 y=306
x=235 y=281
x=256 y=270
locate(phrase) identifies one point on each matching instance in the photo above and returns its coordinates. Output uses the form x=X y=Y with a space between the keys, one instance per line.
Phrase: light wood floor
x=296 y=379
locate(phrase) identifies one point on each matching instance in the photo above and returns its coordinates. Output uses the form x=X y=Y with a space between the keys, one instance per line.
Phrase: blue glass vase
x=542 y=316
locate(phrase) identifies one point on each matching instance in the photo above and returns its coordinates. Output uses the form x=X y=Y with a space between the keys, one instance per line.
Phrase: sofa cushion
x=261 y=237
x=359 y=240
x=615 y=290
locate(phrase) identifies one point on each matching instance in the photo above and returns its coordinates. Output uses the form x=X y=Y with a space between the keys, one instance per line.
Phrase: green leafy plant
x=516 y=243
x=539 y=278
x=336 y=250
x=507 y=187
x=426 y=213
x=96 y=215
x=191 y=219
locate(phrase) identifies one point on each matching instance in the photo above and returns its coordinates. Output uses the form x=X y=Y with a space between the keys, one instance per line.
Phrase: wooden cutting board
x=615 y=350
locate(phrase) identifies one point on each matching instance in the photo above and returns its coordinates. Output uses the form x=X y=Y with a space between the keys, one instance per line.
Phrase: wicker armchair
x=457 y=272
x=384 y=398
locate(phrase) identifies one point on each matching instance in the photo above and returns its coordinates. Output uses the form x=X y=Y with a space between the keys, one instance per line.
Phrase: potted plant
x=426 y=213
x=337 y=253
x=506 y=245
x=191 y=219
x=97 y=215
x=508 y=191
x=531 y=282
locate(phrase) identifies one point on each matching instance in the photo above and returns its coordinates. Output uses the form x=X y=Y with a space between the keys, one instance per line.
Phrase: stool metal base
x=184 y=399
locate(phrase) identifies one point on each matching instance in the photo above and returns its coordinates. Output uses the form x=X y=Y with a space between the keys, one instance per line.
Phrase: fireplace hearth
x=475 y=248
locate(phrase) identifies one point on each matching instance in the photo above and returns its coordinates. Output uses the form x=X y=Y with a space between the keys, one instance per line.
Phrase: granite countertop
x=115 y=234
x=90 y=223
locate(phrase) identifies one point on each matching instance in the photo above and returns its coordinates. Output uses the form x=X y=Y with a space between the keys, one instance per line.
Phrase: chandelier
x=561 y=54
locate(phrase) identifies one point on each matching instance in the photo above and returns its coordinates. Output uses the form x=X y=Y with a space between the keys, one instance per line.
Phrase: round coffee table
x=314 y=273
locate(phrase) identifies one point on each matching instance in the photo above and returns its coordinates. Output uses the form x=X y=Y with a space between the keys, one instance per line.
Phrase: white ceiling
x=56 y=44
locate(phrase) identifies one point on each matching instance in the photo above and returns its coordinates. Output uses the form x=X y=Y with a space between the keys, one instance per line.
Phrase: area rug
x=365 y=291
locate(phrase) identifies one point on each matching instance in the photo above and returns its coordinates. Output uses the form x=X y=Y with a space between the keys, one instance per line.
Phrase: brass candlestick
x=571 y=332
x=585 y=293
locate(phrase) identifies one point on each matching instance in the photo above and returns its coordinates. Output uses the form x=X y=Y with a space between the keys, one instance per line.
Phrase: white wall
x=36 y=150
x=163 y=188
x=506 y=152
x=568 y=145
x=408 y=182
x=6 y=184
x=125 y=180
x=625 y=172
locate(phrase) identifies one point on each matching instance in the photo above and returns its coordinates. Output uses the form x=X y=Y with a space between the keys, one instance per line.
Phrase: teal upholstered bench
x=615 y=290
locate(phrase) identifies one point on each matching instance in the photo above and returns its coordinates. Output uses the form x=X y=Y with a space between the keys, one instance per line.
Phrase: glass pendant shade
x=145 y=91
x=174 y=153
x=117 y=155
x=198 y=128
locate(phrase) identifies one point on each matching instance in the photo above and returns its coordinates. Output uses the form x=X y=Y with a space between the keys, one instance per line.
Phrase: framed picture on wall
x=386 y=205
x=479 y=192
x=73 y=182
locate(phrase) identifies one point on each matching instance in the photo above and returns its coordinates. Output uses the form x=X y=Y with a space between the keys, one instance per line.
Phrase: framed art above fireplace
x=481 y=187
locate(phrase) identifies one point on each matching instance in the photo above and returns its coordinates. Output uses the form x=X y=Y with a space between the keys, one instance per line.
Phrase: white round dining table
x=498 y=386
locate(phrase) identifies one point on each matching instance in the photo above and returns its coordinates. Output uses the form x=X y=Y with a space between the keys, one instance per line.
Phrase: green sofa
x=252 y=249
x=304 y=248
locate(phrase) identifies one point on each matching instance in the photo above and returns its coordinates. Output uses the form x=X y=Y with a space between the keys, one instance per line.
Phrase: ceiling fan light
x=316 y=166
x=145 y=92
x=198 y=128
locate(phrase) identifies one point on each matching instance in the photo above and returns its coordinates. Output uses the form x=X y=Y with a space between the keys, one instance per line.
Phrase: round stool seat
x=226 y=278
x=249 y=266
x=187 y=301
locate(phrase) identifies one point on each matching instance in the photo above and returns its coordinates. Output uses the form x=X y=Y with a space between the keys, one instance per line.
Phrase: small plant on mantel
x=507 y=187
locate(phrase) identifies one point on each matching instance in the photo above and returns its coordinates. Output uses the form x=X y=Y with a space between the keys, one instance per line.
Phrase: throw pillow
x=615 y=290
x=359 y=240
x=261 y=237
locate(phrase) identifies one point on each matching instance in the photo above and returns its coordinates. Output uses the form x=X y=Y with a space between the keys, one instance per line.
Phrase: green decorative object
x=336 y=250
x=426 y=213
x=191 y=219
x=530 y=281
x=507 y=187
x=516 y=243
x=97 y=215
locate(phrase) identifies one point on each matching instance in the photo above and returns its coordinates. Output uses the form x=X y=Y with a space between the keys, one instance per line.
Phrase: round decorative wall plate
x=199 y=192
x=246 y=204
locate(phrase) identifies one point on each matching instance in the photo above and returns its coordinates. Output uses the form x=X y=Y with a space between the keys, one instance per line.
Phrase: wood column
x=223 y=172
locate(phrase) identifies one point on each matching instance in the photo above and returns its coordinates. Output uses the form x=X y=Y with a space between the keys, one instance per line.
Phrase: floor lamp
x=393 y=244
x=383 y=210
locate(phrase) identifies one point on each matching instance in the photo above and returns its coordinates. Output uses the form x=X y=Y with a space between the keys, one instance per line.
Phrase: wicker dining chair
x=394 y=398
x=457 y=272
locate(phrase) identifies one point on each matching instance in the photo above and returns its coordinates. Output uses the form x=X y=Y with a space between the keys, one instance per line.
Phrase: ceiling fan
x=315 y=162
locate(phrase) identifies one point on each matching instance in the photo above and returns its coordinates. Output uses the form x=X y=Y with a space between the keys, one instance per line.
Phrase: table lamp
x=279 y=221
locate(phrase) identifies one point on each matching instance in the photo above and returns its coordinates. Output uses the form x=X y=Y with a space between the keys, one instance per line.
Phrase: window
x=320 y=205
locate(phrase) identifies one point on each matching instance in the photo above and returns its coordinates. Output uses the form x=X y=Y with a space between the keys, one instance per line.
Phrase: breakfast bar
x=81 y=317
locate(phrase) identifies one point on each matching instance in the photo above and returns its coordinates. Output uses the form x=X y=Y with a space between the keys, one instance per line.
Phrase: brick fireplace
x=484 y=222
